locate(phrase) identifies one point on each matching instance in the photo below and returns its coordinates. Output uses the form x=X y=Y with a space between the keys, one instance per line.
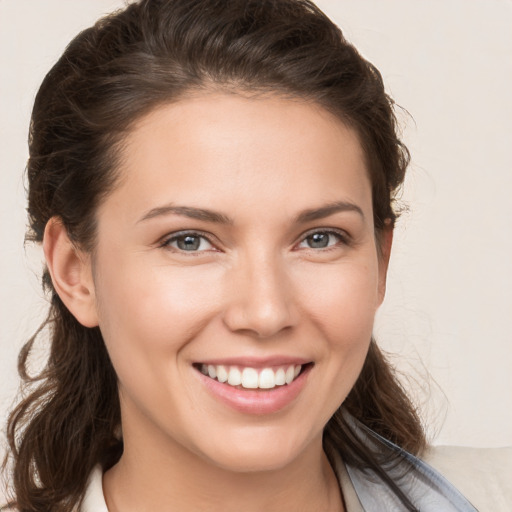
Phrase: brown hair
x=150 y=53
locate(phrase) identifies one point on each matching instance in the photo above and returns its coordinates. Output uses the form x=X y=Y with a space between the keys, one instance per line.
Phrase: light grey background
x=447 y=316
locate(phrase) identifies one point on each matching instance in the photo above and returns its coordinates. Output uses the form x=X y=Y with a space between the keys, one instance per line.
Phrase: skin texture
x=253 y=288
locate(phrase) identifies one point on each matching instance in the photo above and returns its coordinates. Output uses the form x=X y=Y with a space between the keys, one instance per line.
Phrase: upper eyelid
x=337 y=231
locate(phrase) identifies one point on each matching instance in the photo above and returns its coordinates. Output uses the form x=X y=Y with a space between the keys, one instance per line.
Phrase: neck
x=152 y=478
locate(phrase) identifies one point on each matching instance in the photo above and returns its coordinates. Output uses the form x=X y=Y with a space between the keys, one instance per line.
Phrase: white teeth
x=280 y=377
x=222 y=374
x=234 y=377
x=249 y=378
x=290 y=373
x=267 y=379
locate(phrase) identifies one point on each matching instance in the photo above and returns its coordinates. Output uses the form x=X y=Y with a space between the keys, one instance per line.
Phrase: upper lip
x=256 y=362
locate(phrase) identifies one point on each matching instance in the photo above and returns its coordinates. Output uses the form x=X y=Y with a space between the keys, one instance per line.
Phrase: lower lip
x=257 y=402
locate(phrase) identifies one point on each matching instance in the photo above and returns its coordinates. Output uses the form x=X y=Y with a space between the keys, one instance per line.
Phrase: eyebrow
x=327 y=210
x=188 y=211
x=207 y=215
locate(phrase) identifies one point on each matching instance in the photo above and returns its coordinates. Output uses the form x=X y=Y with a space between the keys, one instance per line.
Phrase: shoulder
x=483 y=475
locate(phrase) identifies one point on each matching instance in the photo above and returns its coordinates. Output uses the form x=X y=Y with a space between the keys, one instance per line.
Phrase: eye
x=322 y=240
x=188 y=242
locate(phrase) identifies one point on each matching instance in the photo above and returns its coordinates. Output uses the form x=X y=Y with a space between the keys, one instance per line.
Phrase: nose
x=261 y=300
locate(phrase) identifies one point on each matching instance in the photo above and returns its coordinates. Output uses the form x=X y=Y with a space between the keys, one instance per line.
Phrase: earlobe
x=71 y=273
x=385 y=241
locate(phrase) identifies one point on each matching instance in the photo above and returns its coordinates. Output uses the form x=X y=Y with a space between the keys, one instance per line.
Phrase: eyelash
x=343 y=239
x=166 y=242
x=342 y=236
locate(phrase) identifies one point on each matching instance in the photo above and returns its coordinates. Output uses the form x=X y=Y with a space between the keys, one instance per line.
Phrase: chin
x=253 y=462
x=256 y=453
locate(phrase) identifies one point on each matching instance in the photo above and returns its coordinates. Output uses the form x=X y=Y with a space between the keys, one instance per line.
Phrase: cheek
x=342 y=300
x=148 y=316
x=149 y=312
x=342 y=303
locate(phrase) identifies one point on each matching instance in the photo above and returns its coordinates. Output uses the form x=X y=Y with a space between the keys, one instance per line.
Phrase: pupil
x=319 y=240
x=189 y=243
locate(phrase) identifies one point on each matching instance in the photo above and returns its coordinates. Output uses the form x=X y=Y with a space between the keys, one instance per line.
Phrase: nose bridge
x=260 y=297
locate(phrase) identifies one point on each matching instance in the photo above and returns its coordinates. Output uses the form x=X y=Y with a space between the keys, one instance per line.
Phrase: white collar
x=94 y=500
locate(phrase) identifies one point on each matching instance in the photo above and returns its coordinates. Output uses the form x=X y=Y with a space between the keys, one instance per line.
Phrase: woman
x=213 y=186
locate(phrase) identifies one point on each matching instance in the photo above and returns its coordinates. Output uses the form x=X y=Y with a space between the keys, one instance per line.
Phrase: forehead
x=226 y=149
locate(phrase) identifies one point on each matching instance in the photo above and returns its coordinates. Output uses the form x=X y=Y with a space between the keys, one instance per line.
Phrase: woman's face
x=240 y=242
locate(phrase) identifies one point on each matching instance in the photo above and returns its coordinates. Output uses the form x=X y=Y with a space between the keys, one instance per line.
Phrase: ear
x=385 y=241
x=71 y=273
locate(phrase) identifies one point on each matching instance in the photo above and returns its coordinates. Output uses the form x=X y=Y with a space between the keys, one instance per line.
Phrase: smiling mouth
x=252 y=378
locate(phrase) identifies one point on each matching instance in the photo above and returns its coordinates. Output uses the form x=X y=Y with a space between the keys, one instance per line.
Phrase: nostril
x=261 y=307
x=259 y=321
